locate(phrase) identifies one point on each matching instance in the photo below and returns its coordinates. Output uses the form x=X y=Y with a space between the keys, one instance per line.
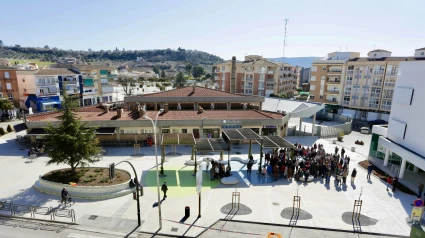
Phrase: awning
x=241 y=134
x=276 y=142
x=50 y=103
x=211 y=144
x=105 y=131
x=20 y=127
x=37 y=132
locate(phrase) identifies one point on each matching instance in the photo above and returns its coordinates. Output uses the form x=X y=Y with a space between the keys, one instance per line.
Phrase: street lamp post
x=156 y=160
x=137 y=189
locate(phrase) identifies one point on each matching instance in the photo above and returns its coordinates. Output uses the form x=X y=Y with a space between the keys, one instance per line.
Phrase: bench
x=229 y=180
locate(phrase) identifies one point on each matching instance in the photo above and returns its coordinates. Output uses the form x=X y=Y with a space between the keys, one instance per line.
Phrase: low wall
x=84 y=192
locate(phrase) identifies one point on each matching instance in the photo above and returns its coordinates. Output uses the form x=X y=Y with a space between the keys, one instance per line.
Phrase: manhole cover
x=174 y=229
x=276 y=203
x=92 y=217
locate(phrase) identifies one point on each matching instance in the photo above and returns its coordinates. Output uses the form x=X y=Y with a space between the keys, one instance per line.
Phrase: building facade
x=256 y=76
x=362 y=86
x=9 y=88
x=26 y=86
x=399 y=146
x=201 y=111
x=99 y=84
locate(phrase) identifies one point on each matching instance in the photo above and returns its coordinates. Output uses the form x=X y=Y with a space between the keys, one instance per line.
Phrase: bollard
x=187 y=211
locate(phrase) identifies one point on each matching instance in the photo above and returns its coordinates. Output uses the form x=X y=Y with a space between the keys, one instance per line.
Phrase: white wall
x=410 y=75
x=371 y=116
x=385 y=117
x=349 y=111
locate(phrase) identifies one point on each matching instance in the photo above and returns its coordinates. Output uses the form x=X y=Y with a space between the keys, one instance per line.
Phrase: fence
x=324 y=131
x=19 y=210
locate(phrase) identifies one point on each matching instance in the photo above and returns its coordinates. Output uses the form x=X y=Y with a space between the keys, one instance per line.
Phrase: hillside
x=179 y=56
x=297 y=61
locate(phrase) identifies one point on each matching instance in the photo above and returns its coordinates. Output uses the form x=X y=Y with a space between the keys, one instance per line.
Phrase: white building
x=399 y=147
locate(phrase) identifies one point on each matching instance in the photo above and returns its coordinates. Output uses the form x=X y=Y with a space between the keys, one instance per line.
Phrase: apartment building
x=99 y=84
x=256 y=76
x=26 y=85
x=9 y=84
x=326 y=80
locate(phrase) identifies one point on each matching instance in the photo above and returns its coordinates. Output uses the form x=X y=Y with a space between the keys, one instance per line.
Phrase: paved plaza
x=262 y=200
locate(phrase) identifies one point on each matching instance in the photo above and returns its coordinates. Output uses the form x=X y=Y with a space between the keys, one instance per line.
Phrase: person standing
x=336 y=150
x=369 y=171
x=421 y=190
x=389 y=181
x=164 y=189
x=342 y=152
x=344 y=176
x=353 y=175
x=64 y=195
x=249 y=166
x=395 y=181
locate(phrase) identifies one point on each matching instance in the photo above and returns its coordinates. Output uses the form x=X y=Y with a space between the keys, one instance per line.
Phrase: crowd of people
x=218 y=170
x=306 y=163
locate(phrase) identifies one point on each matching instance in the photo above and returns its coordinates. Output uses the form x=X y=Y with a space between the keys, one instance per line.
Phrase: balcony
x=350 y=71
x=112 y=75
x=377 y=84
x=347 y=92
x=349 y=82
x=389 y=84
x=375 y=95
x=331 y=101
x=249 y=70
x=373 y=105
x=89 y=93
x=329 y=81
x=332 y=91
x=346 y=103
x=334 y=72
x=386 y=107
x=270 y=72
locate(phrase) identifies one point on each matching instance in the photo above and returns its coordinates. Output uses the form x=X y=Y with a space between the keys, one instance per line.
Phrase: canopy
x=211 y=144
x=276 y=142
x=241 y=134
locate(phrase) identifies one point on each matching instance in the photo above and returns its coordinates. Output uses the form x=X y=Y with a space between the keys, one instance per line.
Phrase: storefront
x=269 y=131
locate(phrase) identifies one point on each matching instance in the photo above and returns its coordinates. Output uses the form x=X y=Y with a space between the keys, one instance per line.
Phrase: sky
x=224 y=28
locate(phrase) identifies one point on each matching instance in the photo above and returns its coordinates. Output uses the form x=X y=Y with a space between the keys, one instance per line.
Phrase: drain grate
x=174 y=229
x=92 y=217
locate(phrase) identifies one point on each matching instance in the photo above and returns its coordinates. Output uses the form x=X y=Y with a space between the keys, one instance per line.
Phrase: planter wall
x=84 y=192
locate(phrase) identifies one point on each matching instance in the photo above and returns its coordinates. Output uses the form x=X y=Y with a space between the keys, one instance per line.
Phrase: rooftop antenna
x=284 y=41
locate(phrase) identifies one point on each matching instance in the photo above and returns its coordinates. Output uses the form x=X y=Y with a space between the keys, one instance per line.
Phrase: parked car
x=322 y=118
x=364 y=130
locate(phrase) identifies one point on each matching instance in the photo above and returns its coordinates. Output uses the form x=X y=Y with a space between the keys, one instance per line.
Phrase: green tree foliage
x=180 y=80
x=188 y=69
x=208 y=75
x=162 y=74
x=299 y=90
x=9 y=128
x=198 y=71
x=156 y=70
x=159 y=55
x=72 y=142
x=5 y=105
x=127 y=85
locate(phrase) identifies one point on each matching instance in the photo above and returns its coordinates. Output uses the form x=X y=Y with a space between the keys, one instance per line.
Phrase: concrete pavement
x=266 y=200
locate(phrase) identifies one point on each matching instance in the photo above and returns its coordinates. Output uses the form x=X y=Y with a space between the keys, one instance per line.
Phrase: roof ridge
x=263 y=113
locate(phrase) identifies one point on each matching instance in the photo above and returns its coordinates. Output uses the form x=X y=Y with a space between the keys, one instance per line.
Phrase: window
x=374 y=55
x=321 y=96
x=25 y=90
x=313 y=78
x=223 y=68
x=11 y=96
x=422 y=53
x=9 y=86
x=323 y=67
x=184 y=130
x=175 y=131
x=313 y=68
x=6 y=75
x=312 y=87
x=23 y=80
x=311 y=96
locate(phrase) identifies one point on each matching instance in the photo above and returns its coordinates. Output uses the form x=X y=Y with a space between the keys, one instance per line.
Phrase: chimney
x=120 y=111
x=165 y=107
x=200 y=109
x=193 y=88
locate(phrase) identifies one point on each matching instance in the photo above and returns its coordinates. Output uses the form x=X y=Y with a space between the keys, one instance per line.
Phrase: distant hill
x=297 y=61
x=179 y=56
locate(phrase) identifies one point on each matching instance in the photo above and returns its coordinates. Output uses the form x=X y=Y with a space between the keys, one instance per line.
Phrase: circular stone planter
x=85 y=192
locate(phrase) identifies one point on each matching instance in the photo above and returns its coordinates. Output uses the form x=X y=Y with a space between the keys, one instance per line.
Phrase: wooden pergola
x=242 y=134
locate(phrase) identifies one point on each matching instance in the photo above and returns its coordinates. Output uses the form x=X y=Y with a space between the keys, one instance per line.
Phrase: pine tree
x=71 y=142
x=9 y=128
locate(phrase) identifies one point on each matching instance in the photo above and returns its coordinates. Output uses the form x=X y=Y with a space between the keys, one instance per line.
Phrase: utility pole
x=284 y=40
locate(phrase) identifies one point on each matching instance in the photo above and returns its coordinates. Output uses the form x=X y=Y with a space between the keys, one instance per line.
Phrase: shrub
x=9 y=128
x=2 y=132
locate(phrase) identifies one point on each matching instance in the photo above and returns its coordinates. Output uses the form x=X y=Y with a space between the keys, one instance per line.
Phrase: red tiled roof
x=96 y=114
x=187 y=92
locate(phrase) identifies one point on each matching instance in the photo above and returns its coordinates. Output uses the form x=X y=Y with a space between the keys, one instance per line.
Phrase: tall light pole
x=156 y=160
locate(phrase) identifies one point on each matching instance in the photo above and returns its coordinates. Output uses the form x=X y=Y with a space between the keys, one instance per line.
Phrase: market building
x=201 y=111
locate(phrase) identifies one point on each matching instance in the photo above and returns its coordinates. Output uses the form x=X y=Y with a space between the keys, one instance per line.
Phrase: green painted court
x=180 y=181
